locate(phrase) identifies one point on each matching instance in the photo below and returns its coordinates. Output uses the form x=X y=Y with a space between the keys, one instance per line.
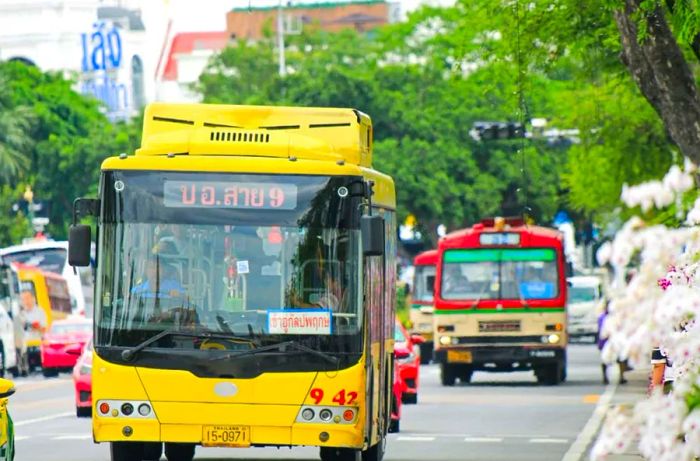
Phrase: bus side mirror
x=79 y=240
x=372 y=228
x=569 y=269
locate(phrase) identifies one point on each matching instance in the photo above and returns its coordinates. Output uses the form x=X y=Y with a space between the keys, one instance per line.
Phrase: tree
x=63 y=137
x=422 y=111
x=15 y=123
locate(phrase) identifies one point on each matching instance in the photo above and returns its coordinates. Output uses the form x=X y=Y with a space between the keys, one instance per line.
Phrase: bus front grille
x=500 y=339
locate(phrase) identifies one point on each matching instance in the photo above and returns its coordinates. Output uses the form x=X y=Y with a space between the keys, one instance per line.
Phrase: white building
x=101 y=45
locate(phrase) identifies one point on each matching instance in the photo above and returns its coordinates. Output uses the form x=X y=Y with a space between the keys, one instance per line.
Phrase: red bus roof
x=530 y=236
x=426 y=258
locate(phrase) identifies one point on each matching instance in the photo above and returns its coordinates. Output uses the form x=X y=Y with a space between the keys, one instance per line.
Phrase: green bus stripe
x=500 y=254
x=501 y=311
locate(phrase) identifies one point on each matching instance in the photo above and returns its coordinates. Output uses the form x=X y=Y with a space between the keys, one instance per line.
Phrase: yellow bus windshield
x=264 y=259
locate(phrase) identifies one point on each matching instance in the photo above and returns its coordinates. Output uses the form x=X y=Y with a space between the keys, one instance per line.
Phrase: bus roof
x=426 y=258
x=529 y=235
x=337 y=135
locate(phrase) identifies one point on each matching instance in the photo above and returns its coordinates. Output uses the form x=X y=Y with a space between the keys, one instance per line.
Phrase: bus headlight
x=553 y=339
x=445 y=340
x=307 y=414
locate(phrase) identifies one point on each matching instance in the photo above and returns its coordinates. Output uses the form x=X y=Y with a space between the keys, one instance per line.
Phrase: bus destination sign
x=235 y=195
x=501 y=238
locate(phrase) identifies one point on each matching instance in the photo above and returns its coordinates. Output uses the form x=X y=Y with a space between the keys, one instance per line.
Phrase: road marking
x=44 y=418
x=73 y=437
x=404 y=438
x=36 y=385
x=19 y=438
x=38 y=403
x=483 y=439
x=577 y=450
x=549 y=440
x=591 y=398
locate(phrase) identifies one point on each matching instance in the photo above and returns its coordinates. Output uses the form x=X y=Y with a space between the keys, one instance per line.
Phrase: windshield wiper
x=281 y=347
x=129 y=354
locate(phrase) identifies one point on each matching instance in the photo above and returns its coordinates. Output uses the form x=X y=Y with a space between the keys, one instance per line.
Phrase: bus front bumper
x=500 y=358
x=263 y=424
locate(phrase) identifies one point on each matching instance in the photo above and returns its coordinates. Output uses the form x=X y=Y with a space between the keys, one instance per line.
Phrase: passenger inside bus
x=34 y=315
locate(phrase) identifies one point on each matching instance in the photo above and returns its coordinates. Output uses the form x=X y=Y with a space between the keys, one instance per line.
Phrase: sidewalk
x=626 y=394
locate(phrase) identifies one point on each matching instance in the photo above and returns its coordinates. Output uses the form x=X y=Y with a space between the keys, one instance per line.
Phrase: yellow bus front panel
x=270 y=406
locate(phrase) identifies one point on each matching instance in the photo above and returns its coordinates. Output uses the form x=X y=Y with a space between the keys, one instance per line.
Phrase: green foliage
x=12 y=228
x=61 y=139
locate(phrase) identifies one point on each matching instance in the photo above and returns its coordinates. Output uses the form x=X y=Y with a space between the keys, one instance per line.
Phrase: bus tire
x=447 y=375
x=179 y=451
x=465 y=375
x=426 y=353
x=125 y=451
x=152 y=451
x=339 y=454
x=375 y=452
x=549 y=375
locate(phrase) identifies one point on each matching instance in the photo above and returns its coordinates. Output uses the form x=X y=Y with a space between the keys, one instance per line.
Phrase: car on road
x=82 y=379
x=407 y=354
x=396 y=400
x=7 y=430
x=63 y=343
x=585 y=302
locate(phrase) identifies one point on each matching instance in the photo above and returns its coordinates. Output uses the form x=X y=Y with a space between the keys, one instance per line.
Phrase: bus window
x=58 y=294
x=47 y=259
x=424 y=283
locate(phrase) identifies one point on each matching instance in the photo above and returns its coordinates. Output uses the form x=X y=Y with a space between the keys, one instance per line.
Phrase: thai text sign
x=299 y=322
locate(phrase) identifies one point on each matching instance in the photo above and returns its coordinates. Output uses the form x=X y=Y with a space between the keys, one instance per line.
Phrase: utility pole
x=280 y=39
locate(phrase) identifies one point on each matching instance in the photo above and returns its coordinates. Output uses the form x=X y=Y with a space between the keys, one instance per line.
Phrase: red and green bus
x=500 y=301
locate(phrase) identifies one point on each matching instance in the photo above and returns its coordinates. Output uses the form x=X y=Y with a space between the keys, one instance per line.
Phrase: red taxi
x=63 y=343
x=82 y=378
x=407 y=353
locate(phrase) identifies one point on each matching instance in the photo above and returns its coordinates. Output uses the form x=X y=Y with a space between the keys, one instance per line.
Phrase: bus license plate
x=459 y=356
x=226 y=436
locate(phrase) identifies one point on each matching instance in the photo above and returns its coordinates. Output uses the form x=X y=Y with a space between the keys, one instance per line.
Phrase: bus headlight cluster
x=550 y=339
x=124 y=409
x=326 y=415
x=447 y=340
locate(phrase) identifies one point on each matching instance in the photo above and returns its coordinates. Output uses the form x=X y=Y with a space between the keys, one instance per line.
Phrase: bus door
x=376 y=356
x=380 y=294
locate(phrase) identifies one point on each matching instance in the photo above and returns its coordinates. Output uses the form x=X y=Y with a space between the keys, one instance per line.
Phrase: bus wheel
x=465 y=375
x=375 y=452
x=179 y=451
x=426 y=353
x=152 y=451
x=447 y=375
x=549 y=375
x=125 y=451
x=339 y=454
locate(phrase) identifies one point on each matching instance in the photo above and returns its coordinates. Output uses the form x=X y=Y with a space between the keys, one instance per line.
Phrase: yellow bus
x=52 y=295
x=245 y=284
